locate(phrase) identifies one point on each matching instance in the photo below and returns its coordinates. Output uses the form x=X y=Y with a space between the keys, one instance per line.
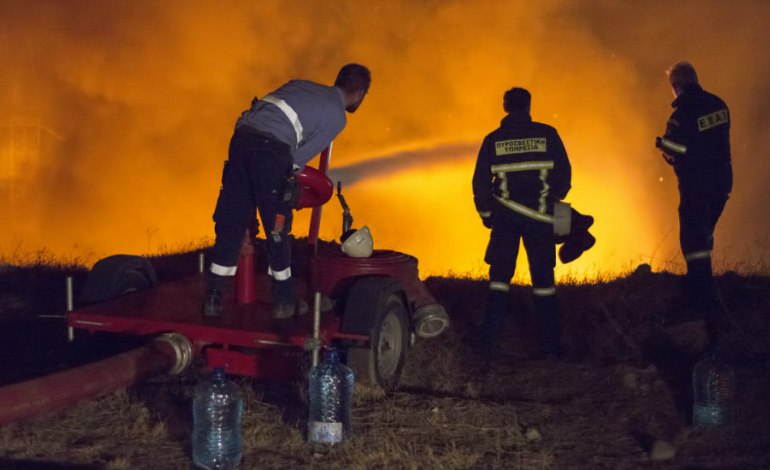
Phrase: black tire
x=375 y=307
x=133 y=280
x=117 y=275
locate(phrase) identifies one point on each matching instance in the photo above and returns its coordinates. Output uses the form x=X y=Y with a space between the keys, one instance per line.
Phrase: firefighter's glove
x=291 y=191
x=487 y=221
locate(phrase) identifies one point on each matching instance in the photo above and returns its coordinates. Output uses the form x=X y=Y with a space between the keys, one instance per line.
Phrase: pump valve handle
x=347 y=218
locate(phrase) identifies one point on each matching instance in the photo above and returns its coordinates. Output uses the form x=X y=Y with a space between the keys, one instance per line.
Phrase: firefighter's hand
x=487 y=221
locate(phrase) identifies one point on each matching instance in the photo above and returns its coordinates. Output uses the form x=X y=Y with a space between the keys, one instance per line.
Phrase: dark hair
x=352 y=78
x=682 y=74
x=516 y=99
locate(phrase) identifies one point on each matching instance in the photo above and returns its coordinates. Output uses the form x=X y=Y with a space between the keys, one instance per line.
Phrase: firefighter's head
x=681 y=75
x=354 y=81
x=516 y=100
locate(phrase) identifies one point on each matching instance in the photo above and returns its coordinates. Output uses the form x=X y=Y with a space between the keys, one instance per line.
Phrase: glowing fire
x=142 y=98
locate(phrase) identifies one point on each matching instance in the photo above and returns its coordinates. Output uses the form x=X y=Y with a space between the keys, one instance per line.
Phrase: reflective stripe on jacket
x=305 y=115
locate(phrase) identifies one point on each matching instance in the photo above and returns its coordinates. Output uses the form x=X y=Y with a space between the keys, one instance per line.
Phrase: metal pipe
x=316 y=326
x=70 y=297
x=55 y=392
x=70 y=307
x=315 y=216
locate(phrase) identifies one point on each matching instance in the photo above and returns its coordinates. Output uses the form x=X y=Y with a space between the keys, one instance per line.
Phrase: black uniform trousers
x=508 y=230
x=698 y=216
x=503 y=249
x=254 y=177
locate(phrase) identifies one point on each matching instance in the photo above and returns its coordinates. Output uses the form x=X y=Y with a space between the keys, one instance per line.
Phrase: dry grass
x=623 y=387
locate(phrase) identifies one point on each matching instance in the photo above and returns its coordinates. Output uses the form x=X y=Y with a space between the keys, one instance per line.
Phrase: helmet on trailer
x=358 y=243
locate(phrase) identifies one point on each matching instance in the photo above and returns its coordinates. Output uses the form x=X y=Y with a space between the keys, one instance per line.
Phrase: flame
x=140 y=99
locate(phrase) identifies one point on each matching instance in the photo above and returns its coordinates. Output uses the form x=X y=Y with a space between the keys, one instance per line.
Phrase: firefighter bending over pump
x=273 y=139
x=521 y=172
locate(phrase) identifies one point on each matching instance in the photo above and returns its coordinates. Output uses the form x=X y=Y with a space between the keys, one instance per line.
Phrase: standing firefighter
x=697 y=145
x=273 y=139
x=522 y=169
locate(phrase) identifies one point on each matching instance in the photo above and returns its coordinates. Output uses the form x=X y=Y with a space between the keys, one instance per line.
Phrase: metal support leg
x=70 y=307
x=316 y=326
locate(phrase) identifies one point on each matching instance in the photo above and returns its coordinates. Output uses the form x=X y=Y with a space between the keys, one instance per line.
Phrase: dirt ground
x=620 y=399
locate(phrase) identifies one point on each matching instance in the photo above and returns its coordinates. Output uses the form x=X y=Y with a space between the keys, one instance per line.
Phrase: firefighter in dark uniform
x=272 y=140
x=697 y=145
x=522 y=169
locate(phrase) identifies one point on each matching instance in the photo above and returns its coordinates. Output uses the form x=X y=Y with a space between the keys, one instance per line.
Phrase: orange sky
x=138 y=99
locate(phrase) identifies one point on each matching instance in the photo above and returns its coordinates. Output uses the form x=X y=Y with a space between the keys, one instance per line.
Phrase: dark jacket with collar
x=697 y=142
x=522 y=162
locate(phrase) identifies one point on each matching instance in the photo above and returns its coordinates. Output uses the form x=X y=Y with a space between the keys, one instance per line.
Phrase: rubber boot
x=699 y=284
x=548 y=326
x=575 y=245
x=494 y=323
x=580 y=222
x=283 y=299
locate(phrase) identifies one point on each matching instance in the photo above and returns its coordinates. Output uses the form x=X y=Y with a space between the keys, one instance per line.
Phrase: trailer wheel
x=133 y=280
x=117 y=275
x=375 y=307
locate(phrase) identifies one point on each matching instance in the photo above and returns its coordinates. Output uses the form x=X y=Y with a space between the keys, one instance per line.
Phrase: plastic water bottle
x=331 y=384
x=713 y=386
x=217 y=414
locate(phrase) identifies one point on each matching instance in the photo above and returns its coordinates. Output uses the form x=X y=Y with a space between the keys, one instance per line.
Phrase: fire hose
x=169 y=353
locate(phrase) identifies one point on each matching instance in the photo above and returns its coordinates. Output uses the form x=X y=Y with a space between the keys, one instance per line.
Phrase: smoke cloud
x=115 y=117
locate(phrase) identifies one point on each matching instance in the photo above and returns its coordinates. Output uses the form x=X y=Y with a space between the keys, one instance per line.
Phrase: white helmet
x=359 y=244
